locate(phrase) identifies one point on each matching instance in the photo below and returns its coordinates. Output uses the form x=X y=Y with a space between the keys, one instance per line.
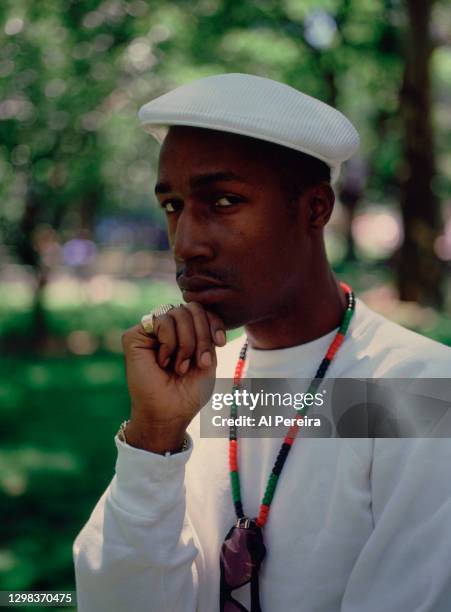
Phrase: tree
x=64 y=75
x=419 y=271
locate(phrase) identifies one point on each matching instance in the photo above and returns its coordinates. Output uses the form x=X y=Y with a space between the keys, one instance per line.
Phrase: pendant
x=242 y=554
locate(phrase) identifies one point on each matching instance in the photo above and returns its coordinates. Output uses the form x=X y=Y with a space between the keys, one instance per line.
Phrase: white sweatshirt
x=356 y=525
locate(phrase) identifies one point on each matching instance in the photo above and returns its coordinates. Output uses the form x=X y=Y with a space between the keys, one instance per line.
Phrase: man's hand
x=165 y=372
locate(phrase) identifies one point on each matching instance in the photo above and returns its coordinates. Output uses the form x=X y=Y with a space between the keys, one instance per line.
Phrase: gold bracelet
x=122 y=438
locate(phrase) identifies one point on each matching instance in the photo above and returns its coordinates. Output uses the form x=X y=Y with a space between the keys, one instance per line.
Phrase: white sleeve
x=136 y=552
x=405 y=564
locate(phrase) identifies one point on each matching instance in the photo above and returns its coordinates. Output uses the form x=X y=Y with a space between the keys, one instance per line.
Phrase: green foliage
x=54 y=463
x=75 y=73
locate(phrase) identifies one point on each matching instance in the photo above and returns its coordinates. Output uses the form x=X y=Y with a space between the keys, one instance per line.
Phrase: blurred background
x=82 y=243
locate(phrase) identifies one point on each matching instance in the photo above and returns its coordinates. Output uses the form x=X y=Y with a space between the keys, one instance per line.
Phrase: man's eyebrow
x=202 y=180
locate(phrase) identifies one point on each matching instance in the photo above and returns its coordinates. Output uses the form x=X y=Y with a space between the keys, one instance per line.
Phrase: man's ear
x=321 y=199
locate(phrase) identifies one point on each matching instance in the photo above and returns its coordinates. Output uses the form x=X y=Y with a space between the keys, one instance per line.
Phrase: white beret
x=258 y=107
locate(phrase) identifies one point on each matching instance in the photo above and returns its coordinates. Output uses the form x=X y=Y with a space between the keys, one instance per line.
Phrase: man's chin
x=231 y=316
x=221 y=302
x=230 y=304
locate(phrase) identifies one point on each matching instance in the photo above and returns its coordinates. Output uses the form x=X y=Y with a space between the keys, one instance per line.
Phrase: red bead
x=331 y=353
x=233 y=463
x=292 y=433
x=263 y=515
x=345 y=287
x=335 y=345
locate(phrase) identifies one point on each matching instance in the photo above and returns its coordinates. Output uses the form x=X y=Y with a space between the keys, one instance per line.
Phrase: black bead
x=238 y=509
x=321 y=371
x=277 y=468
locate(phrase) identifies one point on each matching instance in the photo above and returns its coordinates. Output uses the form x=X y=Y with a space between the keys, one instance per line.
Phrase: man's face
x=240 y=248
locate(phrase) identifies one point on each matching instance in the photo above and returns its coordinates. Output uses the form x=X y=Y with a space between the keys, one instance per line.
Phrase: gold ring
x=147 y=321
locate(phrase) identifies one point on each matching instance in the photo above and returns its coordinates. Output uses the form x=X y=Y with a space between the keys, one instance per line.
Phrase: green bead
x=272 y=482
x=346 y=320
x=235 y=483
x=270 y=488
x=268 y=497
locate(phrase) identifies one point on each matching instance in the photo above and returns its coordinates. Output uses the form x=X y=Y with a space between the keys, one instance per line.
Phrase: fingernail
x=166 y=362
x=220 y=337
x=183 y=368
x=205 y=359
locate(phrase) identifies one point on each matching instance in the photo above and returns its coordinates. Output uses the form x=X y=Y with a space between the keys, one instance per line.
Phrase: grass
x=57 y=456
x=59 y=414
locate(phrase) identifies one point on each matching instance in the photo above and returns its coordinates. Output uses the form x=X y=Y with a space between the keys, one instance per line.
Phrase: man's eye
x=226 y=201
x=170 y=206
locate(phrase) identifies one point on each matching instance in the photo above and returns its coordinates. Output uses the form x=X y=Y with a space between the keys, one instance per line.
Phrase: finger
x=205 y=351
x=136 y=338
x=164 y=330
x=186 y=338
x=217 y=329
x=140 y=350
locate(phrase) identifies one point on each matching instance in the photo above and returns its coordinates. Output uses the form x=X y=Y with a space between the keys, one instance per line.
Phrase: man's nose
x=190 y=238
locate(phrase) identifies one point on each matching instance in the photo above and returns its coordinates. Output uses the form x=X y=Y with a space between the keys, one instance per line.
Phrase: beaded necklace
x=293 y=430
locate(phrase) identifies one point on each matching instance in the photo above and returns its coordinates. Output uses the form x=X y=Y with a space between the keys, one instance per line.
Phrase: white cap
x=258 y=107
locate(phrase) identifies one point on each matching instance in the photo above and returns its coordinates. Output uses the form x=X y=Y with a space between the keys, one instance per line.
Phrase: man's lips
x=202 y=289
x=198 y=283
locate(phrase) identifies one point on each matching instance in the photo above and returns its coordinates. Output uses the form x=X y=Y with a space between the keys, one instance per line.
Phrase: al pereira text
x=265 y=421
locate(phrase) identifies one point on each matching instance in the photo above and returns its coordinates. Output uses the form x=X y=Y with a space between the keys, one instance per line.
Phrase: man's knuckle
x=163 y=324
x=178 y=310
x=186 y=347
x=204 y=334
x=214 y=319
x=126 y=337
x=195 y=308
x=165 y=336
x=178 y=315
x=204 y=343
x=160 y=320
x=166 y=347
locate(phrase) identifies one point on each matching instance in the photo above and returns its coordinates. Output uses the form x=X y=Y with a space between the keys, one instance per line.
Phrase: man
x=354 y=524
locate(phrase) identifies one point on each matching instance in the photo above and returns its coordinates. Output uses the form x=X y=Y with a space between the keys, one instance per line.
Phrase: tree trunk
x=29 y=256
x=419 y=271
